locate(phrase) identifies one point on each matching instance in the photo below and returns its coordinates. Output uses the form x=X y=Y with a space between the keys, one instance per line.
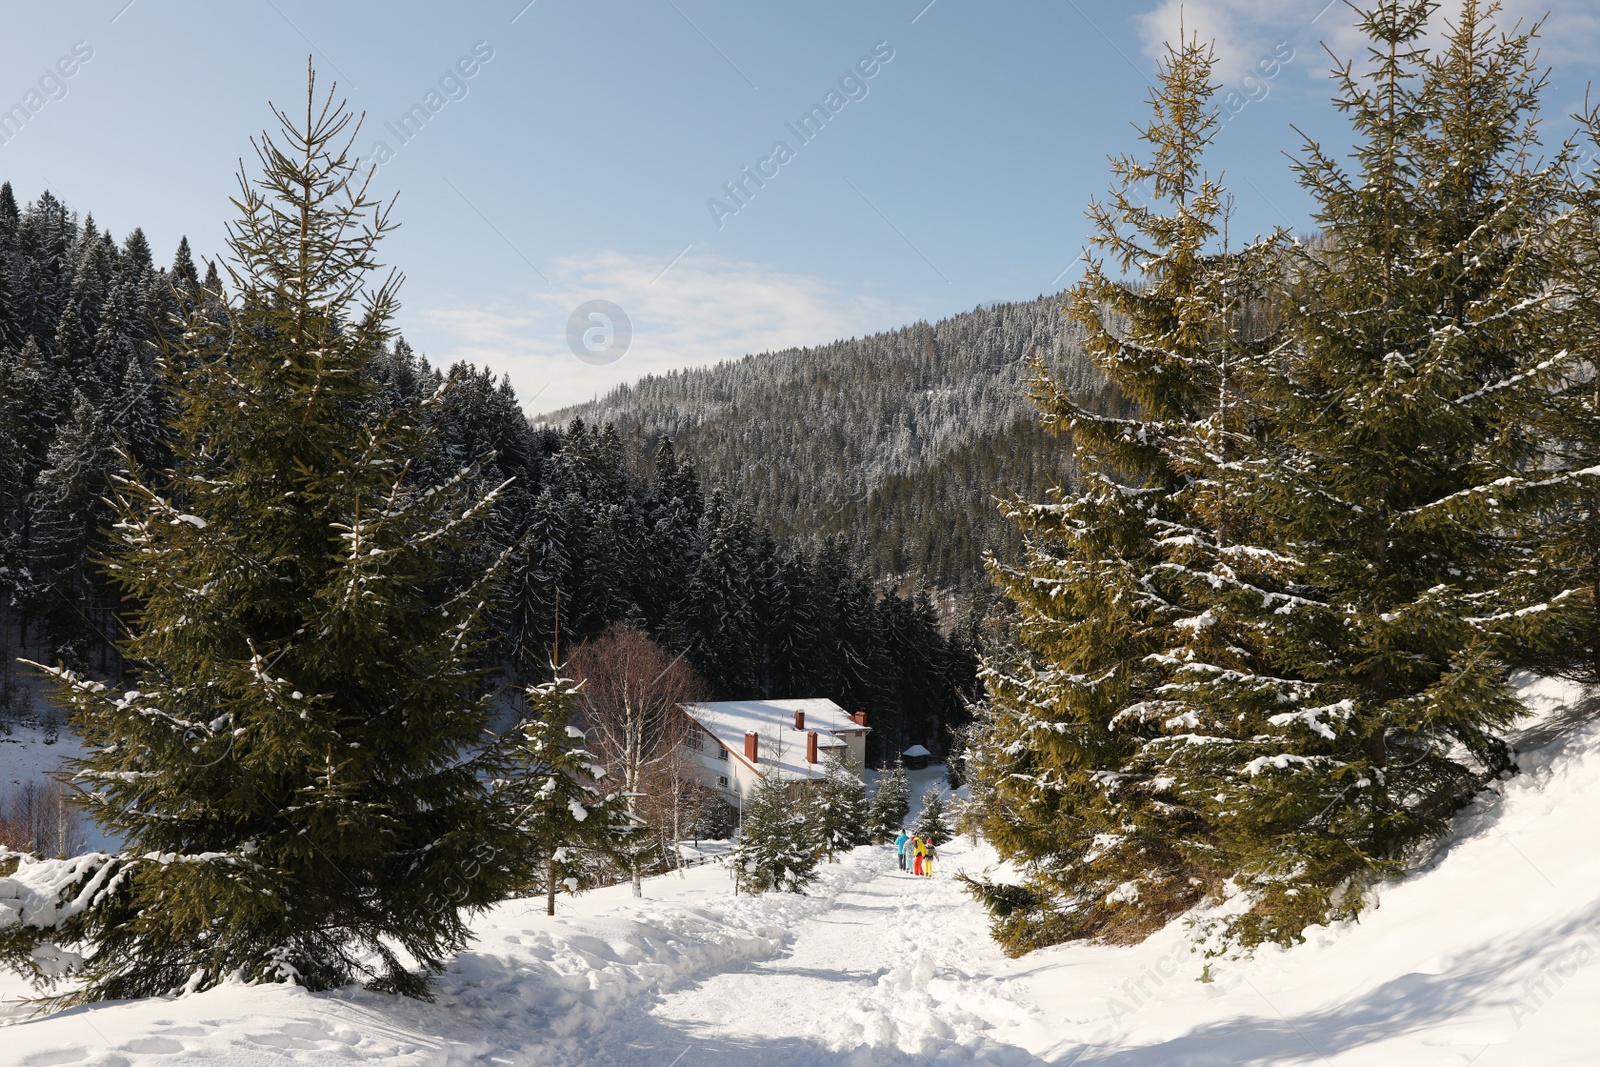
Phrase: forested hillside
x=900 y=441
x=594 y=529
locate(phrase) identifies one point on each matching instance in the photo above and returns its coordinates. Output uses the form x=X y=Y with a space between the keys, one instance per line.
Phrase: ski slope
x=1491 y=956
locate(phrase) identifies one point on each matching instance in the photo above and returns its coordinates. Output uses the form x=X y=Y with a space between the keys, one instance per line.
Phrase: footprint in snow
x=56 y=1056
x=159 y=1046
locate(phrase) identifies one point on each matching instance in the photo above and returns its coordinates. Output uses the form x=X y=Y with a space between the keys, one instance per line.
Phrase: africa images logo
x=852 y=85
x=599 y=332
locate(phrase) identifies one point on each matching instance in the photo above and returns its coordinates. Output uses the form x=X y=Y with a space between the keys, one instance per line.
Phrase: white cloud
x=1248 y=31
x=1244 y=32
x=702 y=310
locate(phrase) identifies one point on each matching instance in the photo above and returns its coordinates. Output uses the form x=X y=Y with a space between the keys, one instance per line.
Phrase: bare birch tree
x=630 y=695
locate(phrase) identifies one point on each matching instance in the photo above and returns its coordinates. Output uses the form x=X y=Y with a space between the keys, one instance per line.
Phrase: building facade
x=735 y=742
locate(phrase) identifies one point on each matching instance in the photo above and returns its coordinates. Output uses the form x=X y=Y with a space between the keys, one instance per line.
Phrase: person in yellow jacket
x=920 y=848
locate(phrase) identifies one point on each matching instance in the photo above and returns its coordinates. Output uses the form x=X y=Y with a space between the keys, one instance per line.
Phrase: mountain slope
x=901 y=440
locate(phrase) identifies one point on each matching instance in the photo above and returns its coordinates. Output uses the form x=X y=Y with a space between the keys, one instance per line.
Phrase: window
x=695 y=739
x=722 y=780
x=722 y=752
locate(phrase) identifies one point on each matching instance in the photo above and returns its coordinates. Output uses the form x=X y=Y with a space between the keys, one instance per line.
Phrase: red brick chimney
x=811 y=745
x=799 y=720
x=751 y=747
x=859 y=718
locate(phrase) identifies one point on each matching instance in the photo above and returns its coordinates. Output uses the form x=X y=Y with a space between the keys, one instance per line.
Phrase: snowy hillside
x=899 y=439
x=1488 y=958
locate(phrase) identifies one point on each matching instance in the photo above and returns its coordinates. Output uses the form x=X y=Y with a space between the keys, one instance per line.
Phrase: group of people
x=916 y=853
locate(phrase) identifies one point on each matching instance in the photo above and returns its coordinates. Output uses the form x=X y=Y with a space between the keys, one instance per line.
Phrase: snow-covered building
x=737 y=741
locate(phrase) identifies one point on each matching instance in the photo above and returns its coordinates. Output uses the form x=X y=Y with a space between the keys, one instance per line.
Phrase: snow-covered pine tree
x=545 y=773
x=776 y=848
x=26 y=428
x=721 y=594
x=45 y=236
x=68 y=511
x=891 y=803
x=1563 y=586
x=183 y=276
x=12 y=320
x=1415 y=351
x=838 y=809
x=853 y=666
x=933 y=823
x=116 y=340
x=1073 y=795
x=674 y=518
x=293 y=774
x=74 y=354
x=540 y=566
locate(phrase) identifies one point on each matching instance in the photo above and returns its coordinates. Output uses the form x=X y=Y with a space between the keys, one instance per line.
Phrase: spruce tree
x=25 y=428
x=838 y=802
x=293 y=773
x=1415 y=350
x=721 y=594
x=933 y=824
x=68 y=511
x=776 y=848
x=1562 y=493
x=891 y=803
x=552 y=783
x=1116 y=573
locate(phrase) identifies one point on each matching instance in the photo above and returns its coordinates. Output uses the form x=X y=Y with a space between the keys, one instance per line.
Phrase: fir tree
x=721 y=593
x=74 y=350
x=68 y=510
x=539 y=567
x=546 y=775
x=8 y=207
x=1107 y=584
x=838 y=802
x=776 y=848
x=25 y=427
x=891 y=803
x=1562 y=493
x=136 y=257
x=1416 y=345
x=933 y=824
x=292 y=774
x=183 y=272
x=717 y=819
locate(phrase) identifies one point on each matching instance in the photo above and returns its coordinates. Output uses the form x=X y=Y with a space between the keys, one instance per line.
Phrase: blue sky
x=578 y=159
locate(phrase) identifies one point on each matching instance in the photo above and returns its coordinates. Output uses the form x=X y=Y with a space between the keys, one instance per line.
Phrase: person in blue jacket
x=900 y=848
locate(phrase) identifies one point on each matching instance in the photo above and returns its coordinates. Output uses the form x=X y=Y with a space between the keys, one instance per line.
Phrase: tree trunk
x=550 y=885
x=677 y=822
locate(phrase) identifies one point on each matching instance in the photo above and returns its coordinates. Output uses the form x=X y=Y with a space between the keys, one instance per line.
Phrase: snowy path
x=892 y=964
x=871 y=966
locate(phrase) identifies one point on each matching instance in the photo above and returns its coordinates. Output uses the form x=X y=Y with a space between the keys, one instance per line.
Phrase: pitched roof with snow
x=772 y=721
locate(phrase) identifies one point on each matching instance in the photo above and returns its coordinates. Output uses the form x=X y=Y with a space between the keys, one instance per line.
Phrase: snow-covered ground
x=26 y=757
x=1490 y=957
